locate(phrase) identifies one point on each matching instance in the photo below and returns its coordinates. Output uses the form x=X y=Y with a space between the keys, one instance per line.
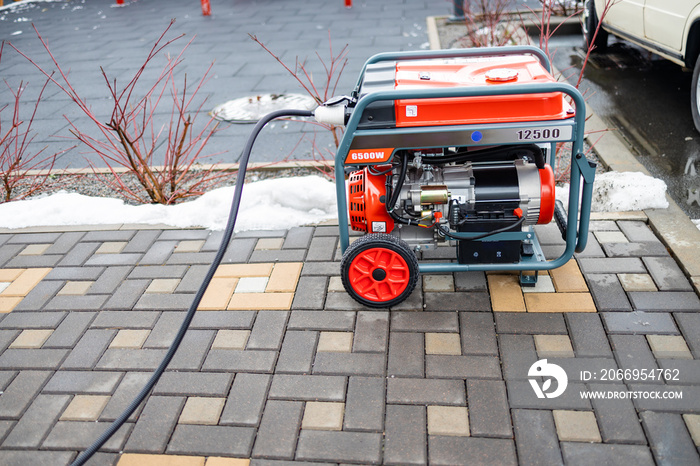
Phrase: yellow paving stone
x=443 y=343
x=8 y=275
x=31 y=338
x=636 y=282
x=111 y=247
x=141 y=459
x=189 y=246
x=568 y=278
x=163 y=285
x=220 y=461
x=26 y=281
x=7 y=304
x=322 y=415
x=559 y=302
x=218 y=294
x=335 y=284
x=554 y=346
x=448 y=420
x=231 y=339
x=506 y=294
x=335 y=342
x=260 y=301
x=696 y=284
x=130 y=338
x=693 y=423
x=202 y=410
x=284 y=277
x=77 y=288
x=85 y=408
x=669 y=347
x=34 y=249
x=244 y=270
x=576 y=426
x=269 y=243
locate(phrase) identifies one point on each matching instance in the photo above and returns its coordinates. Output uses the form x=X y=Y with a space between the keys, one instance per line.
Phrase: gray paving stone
x=125 y=319
x=536 y=437
x=33 y=261
x=164 y=330
x=406 y=354
x=83 y=382
x=192 y=280
x=321 y=268
x=157 y=271
x=114 y=259
x=665 y=300
x=33 y=238
x=457 y=301
x=688 y=370
x=298 y=238
x=191 y=258
x=669 y=439
x=165 y=302
x=277 y=435
x=79 y=254
x=637 y=231
x=371 y=332
x=489 y=414
x=79 y=435
x=297 y=353
x=141 y=241
x=307 y=387
x=574 y=367
x=278 y=255
x=191 y=353
x=39 y=296
x=690 y=326
x=130 y=359
x=7 y=337
x=89 y=349
x=65 y=242
x=326 y=231
x=606 y=454
x=470 y=281
x=321 y=320
x=246 y=400
x=690 y=403
x=182 y=383
x=603 y=225
x=349 y=364
x=632 y=352
x=356 y=447
x=75 y=273
x=70 y=330
x=76 y=303
x=223 y=319
x=607 y=292
x=530 y=323
x=617 y=418
x=548 y=234
x=109 y=235
x=268 y=330
x=8 y=251
x=426 y=391
x=131 y=384
x=32 y=358
x=517 y=355
x=127 y=295
x=155 y=425
x=37 y=458
x=239 y=250
x=22 y=320
x=341 y=301
x=213 y=241
x=470 y=450
x=639 y=322
x=36 y=421
x=364 y=406
x=611 y=265
x=240 y=361
x=158 y=253
x=521 y=395
x=462 y=367
x=311 y=293
x=424 y=322
x=478 y=333
x=593 y=248
x=322 y=248
x=109 y=280
x=20 y=393
x=181 y=235
x=405 y=435
x=635 y=249
x=666 y=274
x=261 y=234
x=588 y=337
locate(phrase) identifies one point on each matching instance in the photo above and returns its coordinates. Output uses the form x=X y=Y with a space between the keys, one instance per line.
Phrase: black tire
x=369 y=283
x=695 y=94
x=589 y=24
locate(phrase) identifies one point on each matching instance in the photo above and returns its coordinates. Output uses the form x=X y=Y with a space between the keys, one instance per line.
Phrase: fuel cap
x=501 y=75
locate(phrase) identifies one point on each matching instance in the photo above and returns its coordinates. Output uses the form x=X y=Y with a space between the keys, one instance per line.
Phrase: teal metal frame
x=581 y=169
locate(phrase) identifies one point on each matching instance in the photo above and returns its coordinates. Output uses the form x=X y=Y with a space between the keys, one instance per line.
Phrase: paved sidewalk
x=280 y=364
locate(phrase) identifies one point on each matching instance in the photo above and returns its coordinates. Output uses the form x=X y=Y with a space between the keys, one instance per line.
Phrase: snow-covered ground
x=276 y=204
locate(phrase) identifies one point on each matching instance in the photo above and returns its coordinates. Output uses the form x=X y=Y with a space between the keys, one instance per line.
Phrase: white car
x=670 y=28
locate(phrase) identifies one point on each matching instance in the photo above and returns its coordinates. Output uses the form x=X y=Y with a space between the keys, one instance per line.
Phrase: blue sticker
x=476 y=136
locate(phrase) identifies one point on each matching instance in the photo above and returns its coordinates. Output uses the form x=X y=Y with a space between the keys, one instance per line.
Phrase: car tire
x=589 y=24
x=695 y=94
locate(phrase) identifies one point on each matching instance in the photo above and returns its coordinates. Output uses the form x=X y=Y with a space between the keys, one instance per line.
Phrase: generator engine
x=424 y=197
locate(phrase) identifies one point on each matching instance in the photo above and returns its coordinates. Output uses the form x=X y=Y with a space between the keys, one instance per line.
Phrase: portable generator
x=454 y=147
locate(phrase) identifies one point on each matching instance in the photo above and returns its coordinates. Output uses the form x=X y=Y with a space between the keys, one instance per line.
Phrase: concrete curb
x=678 y=233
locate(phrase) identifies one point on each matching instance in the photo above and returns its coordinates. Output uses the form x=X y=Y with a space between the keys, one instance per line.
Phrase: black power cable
x=228 y=233
x=447 y=233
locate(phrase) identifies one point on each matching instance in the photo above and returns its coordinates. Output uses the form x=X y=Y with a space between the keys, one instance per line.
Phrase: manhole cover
x=251 y=109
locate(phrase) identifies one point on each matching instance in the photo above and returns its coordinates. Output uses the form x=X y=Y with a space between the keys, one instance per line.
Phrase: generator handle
x=456 y=53
x=581 y=170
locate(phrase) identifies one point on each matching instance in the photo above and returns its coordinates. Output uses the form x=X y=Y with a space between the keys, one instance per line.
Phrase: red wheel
x=379 y=270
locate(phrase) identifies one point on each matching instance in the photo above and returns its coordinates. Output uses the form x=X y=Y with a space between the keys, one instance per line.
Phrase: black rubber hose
x=447 y=233
x=228 y=233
